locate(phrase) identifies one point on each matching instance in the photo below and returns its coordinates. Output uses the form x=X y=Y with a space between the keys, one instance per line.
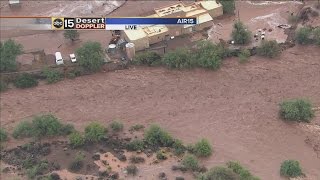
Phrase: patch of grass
x=244 y=56
x=296 y=110
x=270 y=49
x=219 y=173
x=37 y=170
x=23 y=129
x=303 y=35
x=137 y=159
x=76 y=139
x=94 y=132
x=190 y=162
x=161 y=155
x=67 y=129
x=136 y=127
x=203 y=148
x=132 y=169
x=156 y=136
x=77 y=163
x=116 y=126
x=3 y=135
x=147 y=58
x=290 y=168
x=178 y=147
x=243 y=173
x=52 y=76
x=135 y=145
x=25 y=81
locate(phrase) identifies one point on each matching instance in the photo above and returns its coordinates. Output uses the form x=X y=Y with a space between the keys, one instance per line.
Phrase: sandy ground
x=236 y=107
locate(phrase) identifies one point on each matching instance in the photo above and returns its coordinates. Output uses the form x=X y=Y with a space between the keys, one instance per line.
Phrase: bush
x=94 y=132
x=316 y=35
x=270 y=49
x=290 y=168
x=116 y=126
x=23 y=129
x=240 y=34
x=37 y=170
x=76 y=139
x=220 y=173
x=228 y=6
x=137 y=159
x=46 y=125
x=135 y=145
x=178 y=147
x=132 y=169
x=190 y=162
x=3 y=86
x=243 y=173
x=67 y=129
x=147 y=58
x=3 y=135
x=161 y=155
x=296 y=110
x=9 y=50
x=180 y=58
x=203 y=148
x=52 y=76
x=158 y=137
x=25 y=81
x=303 y=35
x=136 y=127
x=77 y=163
x=244 y=55
x=209 y=55
x=71 y=34
x=90 y=56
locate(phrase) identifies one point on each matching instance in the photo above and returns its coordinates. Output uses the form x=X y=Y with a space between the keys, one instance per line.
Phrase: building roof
x=136 y=34
x=195 y=13
x=204 y=18
x=209 y=5
x=169 y=9
x=155 y=29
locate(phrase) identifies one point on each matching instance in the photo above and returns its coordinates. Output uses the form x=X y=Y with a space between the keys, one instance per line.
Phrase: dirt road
x=236 y=107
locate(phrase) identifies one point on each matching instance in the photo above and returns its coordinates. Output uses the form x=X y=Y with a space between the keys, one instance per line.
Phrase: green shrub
x=67 y=129
x=303 y=35
x=94 y=132
x=9 y=50
x=209 y=55
x=37 y=170
x=136 y=159
x=52 y=76
x=220 y=173
x=158 y=137
x=296 y=110
x=3 y=86
x=190 y=148
x=90 y=56
x=46 y=125
x=25 y=81
x=76 y=139
x=23 y=129
x=132 y=169
x=161 y=155
x=3 y=135
x=228 y=6
x=290 y=168
x=316 y=35
x=240 y=34
x=180 y=58
x=203 y=148
x=135 y=145
x=244 y=55
x=147 y=58
x=243 y=173
x=77 y=163
x=178 y=147
x=136 y=127
x=189 y=161
x=116 y=126
x=270 y=49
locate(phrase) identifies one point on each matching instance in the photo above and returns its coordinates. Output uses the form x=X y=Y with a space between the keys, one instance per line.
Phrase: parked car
x=73 y=58
x=59 y=59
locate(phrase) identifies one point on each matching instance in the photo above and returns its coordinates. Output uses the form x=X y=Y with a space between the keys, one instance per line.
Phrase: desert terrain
x=235 y=108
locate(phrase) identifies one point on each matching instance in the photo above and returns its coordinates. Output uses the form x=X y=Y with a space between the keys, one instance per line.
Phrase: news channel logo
x=57 y=23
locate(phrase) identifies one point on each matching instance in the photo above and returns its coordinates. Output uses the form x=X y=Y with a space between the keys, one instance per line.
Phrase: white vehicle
x=59 y=59
x=73 y=58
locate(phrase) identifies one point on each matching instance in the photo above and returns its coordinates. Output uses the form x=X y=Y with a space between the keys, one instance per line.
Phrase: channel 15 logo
x=57 y=23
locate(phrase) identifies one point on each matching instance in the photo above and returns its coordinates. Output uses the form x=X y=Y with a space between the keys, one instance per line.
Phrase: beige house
x=204 y=11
